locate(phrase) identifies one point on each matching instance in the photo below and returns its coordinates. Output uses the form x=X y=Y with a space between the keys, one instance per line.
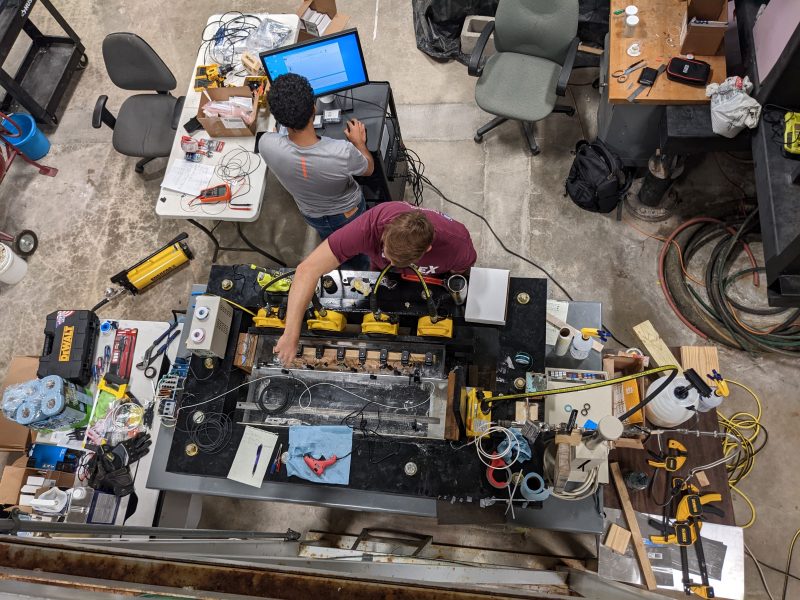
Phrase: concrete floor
x=97 y=217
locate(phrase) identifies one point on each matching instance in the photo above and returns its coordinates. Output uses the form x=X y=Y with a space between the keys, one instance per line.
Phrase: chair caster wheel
x=478 y=138
x=139 y=169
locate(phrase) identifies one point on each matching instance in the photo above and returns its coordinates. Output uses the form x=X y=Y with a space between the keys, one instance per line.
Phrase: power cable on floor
x=419 y=180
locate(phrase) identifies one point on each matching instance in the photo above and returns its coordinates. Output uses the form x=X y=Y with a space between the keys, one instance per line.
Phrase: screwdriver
x=277 y=462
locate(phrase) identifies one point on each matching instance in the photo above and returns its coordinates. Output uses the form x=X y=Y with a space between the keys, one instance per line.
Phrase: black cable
x=650 y=396
x=212 y=434
x=285 y=389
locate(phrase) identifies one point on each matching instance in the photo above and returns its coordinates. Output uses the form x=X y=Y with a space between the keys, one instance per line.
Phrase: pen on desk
x=258 y=455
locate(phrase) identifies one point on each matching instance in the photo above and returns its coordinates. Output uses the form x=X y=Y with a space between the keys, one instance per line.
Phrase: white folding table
x=175 y=205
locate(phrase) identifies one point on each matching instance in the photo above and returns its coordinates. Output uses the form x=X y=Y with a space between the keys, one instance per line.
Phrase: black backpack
x=597 y=181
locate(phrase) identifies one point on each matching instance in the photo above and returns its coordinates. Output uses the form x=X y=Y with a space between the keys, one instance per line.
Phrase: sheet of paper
x=559 y=310
x=187 y=177
x=253 y=456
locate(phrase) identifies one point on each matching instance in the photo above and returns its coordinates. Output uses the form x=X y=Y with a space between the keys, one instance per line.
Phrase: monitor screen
x=331 y=64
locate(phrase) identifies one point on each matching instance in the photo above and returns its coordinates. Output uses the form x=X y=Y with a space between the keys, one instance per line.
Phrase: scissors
x=622 y=76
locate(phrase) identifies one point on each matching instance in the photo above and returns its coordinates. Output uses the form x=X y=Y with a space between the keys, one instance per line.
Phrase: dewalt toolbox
x=70 y=337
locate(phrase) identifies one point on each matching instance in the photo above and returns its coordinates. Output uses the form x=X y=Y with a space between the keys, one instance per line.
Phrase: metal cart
x=44 y=74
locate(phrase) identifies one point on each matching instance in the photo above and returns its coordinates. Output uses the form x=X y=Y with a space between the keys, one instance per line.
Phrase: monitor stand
x=332 y=101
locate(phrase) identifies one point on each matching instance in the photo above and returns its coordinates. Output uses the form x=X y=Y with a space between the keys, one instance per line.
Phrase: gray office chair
x=146 y=123
x=536 y=48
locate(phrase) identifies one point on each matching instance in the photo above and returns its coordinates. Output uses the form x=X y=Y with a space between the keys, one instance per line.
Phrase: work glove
x=129 y=451
x=104 y=476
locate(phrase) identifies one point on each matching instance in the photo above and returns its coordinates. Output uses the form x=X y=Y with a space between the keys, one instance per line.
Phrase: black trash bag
x=438 y=23
x=593 y=21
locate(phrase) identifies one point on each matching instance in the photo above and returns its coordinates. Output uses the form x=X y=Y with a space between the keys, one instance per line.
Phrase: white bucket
x=666 y=409
x=12 y=267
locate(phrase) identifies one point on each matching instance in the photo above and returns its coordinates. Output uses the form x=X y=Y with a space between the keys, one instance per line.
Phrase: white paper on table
x=245 y=469
x=558 y=309
x=187 y=177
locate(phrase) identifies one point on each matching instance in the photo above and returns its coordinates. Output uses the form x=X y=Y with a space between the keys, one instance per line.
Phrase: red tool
x=497 y=464
x=318 y=465
x=428 y=280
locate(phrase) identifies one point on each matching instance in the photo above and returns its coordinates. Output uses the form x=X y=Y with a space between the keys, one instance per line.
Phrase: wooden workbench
x=658 y=34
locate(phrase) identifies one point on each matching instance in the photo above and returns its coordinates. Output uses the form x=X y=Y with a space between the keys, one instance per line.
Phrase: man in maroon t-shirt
x=391 y=233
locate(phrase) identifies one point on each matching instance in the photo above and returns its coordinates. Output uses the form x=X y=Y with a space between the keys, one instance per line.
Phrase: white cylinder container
x=667 y=409
x=12 y=267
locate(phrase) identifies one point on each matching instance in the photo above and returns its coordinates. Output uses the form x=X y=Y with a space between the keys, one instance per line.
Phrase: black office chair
x=536 y=48
x=146 y=123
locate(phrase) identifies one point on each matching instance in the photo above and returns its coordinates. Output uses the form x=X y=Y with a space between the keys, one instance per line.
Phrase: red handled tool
x=428 y=280
x=318 y=465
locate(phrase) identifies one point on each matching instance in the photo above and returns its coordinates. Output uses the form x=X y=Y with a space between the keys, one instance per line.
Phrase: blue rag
x=319 y=441
x=521 y=445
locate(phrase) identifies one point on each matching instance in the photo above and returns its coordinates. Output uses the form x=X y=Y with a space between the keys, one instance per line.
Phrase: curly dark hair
x=291 y=100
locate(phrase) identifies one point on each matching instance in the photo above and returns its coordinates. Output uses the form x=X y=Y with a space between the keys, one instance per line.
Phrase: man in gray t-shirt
x=317 y=171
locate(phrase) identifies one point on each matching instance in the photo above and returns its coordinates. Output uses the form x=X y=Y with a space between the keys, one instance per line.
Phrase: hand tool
x=106 y=357
x=276 y=464
x=622 y=75
x=641 y=88
x=258 y=455
x=149 y=356
x=318 y=465
x=673 y=460
x=722 y=390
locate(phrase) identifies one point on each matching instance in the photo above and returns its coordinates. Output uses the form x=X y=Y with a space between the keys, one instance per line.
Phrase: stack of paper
x=187 y=177
x=315 y=22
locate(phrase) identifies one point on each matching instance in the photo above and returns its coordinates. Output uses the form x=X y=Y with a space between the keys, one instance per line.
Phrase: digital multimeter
x=217 y=193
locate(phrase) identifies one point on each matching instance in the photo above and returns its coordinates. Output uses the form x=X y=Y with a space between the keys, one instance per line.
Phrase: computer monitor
x=333 y=63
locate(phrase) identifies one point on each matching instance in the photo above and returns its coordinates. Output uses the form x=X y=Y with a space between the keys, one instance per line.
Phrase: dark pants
x=328 y=224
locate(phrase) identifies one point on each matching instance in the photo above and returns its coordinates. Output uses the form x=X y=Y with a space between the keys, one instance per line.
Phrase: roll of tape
x=537 y=492
x=201 y=312
x=198 y=335
x=562 y=341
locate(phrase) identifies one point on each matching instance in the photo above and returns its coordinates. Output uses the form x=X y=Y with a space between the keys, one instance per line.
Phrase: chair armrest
x=474 y=68
x=566 y=69
x=102 y=115
x=176 y=112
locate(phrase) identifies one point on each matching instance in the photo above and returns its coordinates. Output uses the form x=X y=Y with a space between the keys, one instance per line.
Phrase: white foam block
x=488 y=296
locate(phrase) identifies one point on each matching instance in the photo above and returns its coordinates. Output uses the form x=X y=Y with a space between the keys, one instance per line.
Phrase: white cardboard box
x=488 y=296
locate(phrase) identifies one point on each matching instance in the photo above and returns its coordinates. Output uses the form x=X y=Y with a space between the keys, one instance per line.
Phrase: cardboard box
x=328 y=7
x=245 y=356
x=218 y=127
x=16 y=475
x=705 y=35
x=708 y=10
x=628 y=394
x=13 y=436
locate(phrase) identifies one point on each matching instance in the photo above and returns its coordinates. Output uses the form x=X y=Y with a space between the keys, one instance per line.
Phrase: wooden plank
x=658 y=35
x=590 y=49
x=654 y=346
x=450 y=426
x=558 y=324
x=700 y=358
x=617 y=539
x=633 y=525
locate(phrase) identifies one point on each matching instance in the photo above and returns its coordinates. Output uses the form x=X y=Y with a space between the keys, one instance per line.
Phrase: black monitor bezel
x=318 y=40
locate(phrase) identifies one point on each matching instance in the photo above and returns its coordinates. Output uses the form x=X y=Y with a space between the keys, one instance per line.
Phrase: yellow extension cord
x=745 y=426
